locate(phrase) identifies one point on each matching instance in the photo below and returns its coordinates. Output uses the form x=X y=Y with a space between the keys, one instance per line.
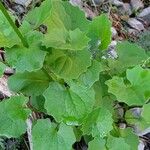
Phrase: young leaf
x=68 y=65
x=29 y=83
x=137 y=92
x=114 y=143
x=70 y=105
x=25 y=59
x=129 y=55
x=63 y=22
x=64 y=27
x=13 y=115
x=145 y=113
x=89 y=77
x=103 y=98
x=130 y=138
x=100 y=30
x=46 y=136
x=97 y=144
x=98 y=123
x=36 y=16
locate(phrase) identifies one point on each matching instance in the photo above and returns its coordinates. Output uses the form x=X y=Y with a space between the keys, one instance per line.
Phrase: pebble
x=117 y=3
x=122 y=125
x=4 y=90
x=134 y=23
x=132 y=31
x=111 y=50
x=136 y=112
x=126 y=9
x=141 y=145
x=145 y=15
x=23 y=2
x=9 y=71
x=114 y=32
x=136 y=5
x=98 y=2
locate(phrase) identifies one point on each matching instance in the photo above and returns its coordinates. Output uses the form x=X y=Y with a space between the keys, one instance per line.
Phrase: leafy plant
x=58 y=76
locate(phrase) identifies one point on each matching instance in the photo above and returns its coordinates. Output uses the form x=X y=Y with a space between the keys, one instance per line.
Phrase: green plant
x=63 y=74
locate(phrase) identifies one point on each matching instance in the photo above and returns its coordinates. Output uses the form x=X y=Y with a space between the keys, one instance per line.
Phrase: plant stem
x=4 y=11
x=46 y=73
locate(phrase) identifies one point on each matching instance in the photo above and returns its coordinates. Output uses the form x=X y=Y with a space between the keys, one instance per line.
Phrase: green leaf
x=145 y=113
x=68 y=104
x=2 y=68
x=8 y=37
x=68 y=64
x=13 y=115
x=76 y=16
x=97 y=144
x=114 y=143
x=130 y=138
x=37 y=103
x=29 y=83
x=137 y=92
x=98 y=123
x=135 y=119
x=78 y=133
x=89 y=77
x=65 y=27
x=103 y=98
x=36 y=16
x=76 y=40
x=100 y=29
x=46 y=136
x=129 y=55
x=25 y=59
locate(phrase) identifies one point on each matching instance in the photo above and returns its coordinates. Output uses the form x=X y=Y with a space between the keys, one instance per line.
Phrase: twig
x=94 y=5
x=29 y=129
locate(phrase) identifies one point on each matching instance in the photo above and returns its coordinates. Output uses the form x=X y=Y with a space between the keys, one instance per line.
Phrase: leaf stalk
x=17 y=31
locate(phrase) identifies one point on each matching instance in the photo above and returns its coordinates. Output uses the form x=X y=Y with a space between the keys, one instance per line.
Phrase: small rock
x=111 y=50
x=132 y=31
x=145 y=15
x=134 y=23
x=126 y=9
x=4 y=90
x=141 y=145
x=136 y=5
x=136 y=112
x=119 y=111
x=114 y=32
x=113 y=43
x=19 y=9
x=29 y=130
x=117 y=3
x=9 y=71
x=98 y=2
x=122 y=125
x=25 y=3
x=84 y=7
x=88 y=12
